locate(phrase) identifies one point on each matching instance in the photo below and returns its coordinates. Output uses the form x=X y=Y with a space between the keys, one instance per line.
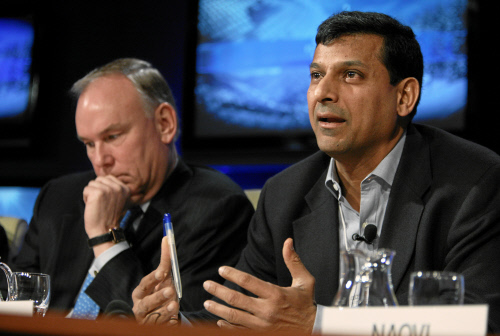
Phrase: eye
x=112 y=137
x=352 y=75
x=89 y=144
x=315 y=75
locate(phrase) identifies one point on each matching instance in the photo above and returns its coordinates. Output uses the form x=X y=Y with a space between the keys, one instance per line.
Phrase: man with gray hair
x=97 y=233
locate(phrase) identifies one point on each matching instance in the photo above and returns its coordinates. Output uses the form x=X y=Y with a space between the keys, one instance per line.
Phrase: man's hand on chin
x=106 y=199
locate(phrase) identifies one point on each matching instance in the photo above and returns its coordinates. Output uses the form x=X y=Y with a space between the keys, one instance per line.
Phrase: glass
x=28 y=286
x=436 y=288
x=366 y=279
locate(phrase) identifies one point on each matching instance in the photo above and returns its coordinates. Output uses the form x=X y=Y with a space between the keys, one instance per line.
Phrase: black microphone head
x=370 y=233
x=119 y=309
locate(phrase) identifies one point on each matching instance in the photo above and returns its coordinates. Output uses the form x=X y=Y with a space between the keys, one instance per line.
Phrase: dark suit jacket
x=4 y=246
x=443 y=214
x=210 y=216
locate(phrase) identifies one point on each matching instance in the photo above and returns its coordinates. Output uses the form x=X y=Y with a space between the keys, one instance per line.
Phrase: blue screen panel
x=253 y=61
x=18 y=202
x=16 y=42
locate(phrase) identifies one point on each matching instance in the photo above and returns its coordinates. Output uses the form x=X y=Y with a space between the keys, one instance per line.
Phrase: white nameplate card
x=23 y=308
x=467 y=320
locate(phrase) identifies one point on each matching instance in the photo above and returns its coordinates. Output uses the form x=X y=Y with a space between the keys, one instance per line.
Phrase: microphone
x=369 y=234
x=119 y=309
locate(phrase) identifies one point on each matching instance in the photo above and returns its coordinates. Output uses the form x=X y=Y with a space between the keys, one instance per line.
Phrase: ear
x=408 y=92
x=166 y=122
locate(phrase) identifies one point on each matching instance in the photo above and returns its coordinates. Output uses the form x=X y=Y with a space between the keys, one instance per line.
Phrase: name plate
x=23 y=308
x=467 y=320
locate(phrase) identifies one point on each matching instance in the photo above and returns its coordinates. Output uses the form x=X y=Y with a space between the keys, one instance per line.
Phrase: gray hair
x=148 y=81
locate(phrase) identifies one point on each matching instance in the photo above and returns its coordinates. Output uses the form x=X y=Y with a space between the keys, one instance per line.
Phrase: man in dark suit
x=127 y=120
x=434 y=197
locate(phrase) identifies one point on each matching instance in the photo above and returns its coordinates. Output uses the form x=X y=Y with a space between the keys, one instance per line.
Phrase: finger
x=164 y=268
x=165 y=283
x=110 y=179
x=106 y=182
x=110 y=182
x=168 y=314
x=163 y=302
x=231 y=297
x=300 y=275
x=233 y=316
x=226 y=325
x=249 y=282
x=112 y=185
x=145 y=287
x=153 y=279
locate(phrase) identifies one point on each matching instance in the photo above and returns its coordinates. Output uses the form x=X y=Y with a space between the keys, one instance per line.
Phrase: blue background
x=253 y=60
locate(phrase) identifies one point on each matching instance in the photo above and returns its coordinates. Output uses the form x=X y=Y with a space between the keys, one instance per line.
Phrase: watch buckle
x=115 y=238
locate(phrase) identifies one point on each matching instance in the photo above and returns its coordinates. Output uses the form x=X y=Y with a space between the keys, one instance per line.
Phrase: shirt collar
x=145 y=206
x=386 y=170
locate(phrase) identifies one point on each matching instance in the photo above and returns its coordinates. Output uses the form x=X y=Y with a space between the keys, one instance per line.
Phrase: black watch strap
x=115 y=235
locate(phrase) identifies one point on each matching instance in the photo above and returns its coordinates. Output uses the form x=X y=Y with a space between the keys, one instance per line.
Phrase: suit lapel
x=151 y=220
x=168 y=197
x=316 y=241
x=405 y=206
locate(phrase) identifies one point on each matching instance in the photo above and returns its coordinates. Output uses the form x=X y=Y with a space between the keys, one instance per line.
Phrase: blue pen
x=169 y=232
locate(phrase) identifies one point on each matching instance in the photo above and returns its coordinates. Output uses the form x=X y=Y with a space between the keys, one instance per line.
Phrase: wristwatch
x=115 y=235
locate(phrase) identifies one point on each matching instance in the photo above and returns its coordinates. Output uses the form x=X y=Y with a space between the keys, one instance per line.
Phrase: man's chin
x=332 y=148
x=137 y=198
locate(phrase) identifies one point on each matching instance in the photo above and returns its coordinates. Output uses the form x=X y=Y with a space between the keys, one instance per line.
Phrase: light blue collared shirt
x=375 y=191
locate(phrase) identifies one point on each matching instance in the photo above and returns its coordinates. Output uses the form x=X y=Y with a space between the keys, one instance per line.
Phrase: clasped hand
x=106 y=199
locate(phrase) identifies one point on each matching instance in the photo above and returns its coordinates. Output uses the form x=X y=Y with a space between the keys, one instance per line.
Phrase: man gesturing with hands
x=273 y=308
x=432 y=196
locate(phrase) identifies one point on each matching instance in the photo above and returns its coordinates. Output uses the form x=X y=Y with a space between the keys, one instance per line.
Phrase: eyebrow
x=315 y=65
x=108 y=129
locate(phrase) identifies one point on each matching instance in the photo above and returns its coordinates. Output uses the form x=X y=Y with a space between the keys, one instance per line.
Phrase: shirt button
x=335 y=187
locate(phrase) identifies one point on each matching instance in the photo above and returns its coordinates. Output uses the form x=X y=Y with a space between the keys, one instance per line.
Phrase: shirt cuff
x=106 y=256
x=185 y=321
x=318 y=320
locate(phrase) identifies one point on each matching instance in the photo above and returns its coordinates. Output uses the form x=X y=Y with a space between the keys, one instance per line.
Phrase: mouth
x=330 y=121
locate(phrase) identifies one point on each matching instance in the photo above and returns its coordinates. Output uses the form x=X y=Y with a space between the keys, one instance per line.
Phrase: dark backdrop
x=72 y=38
x=76 y=36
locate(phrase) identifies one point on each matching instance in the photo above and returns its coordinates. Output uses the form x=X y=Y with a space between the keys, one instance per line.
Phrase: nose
x=101 y=158
x=326 y=90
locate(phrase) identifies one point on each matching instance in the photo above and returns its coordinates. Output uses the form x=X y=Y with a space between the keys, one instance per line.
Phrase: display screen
x=253 y=56
x=16 y=42
x=18 y=202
